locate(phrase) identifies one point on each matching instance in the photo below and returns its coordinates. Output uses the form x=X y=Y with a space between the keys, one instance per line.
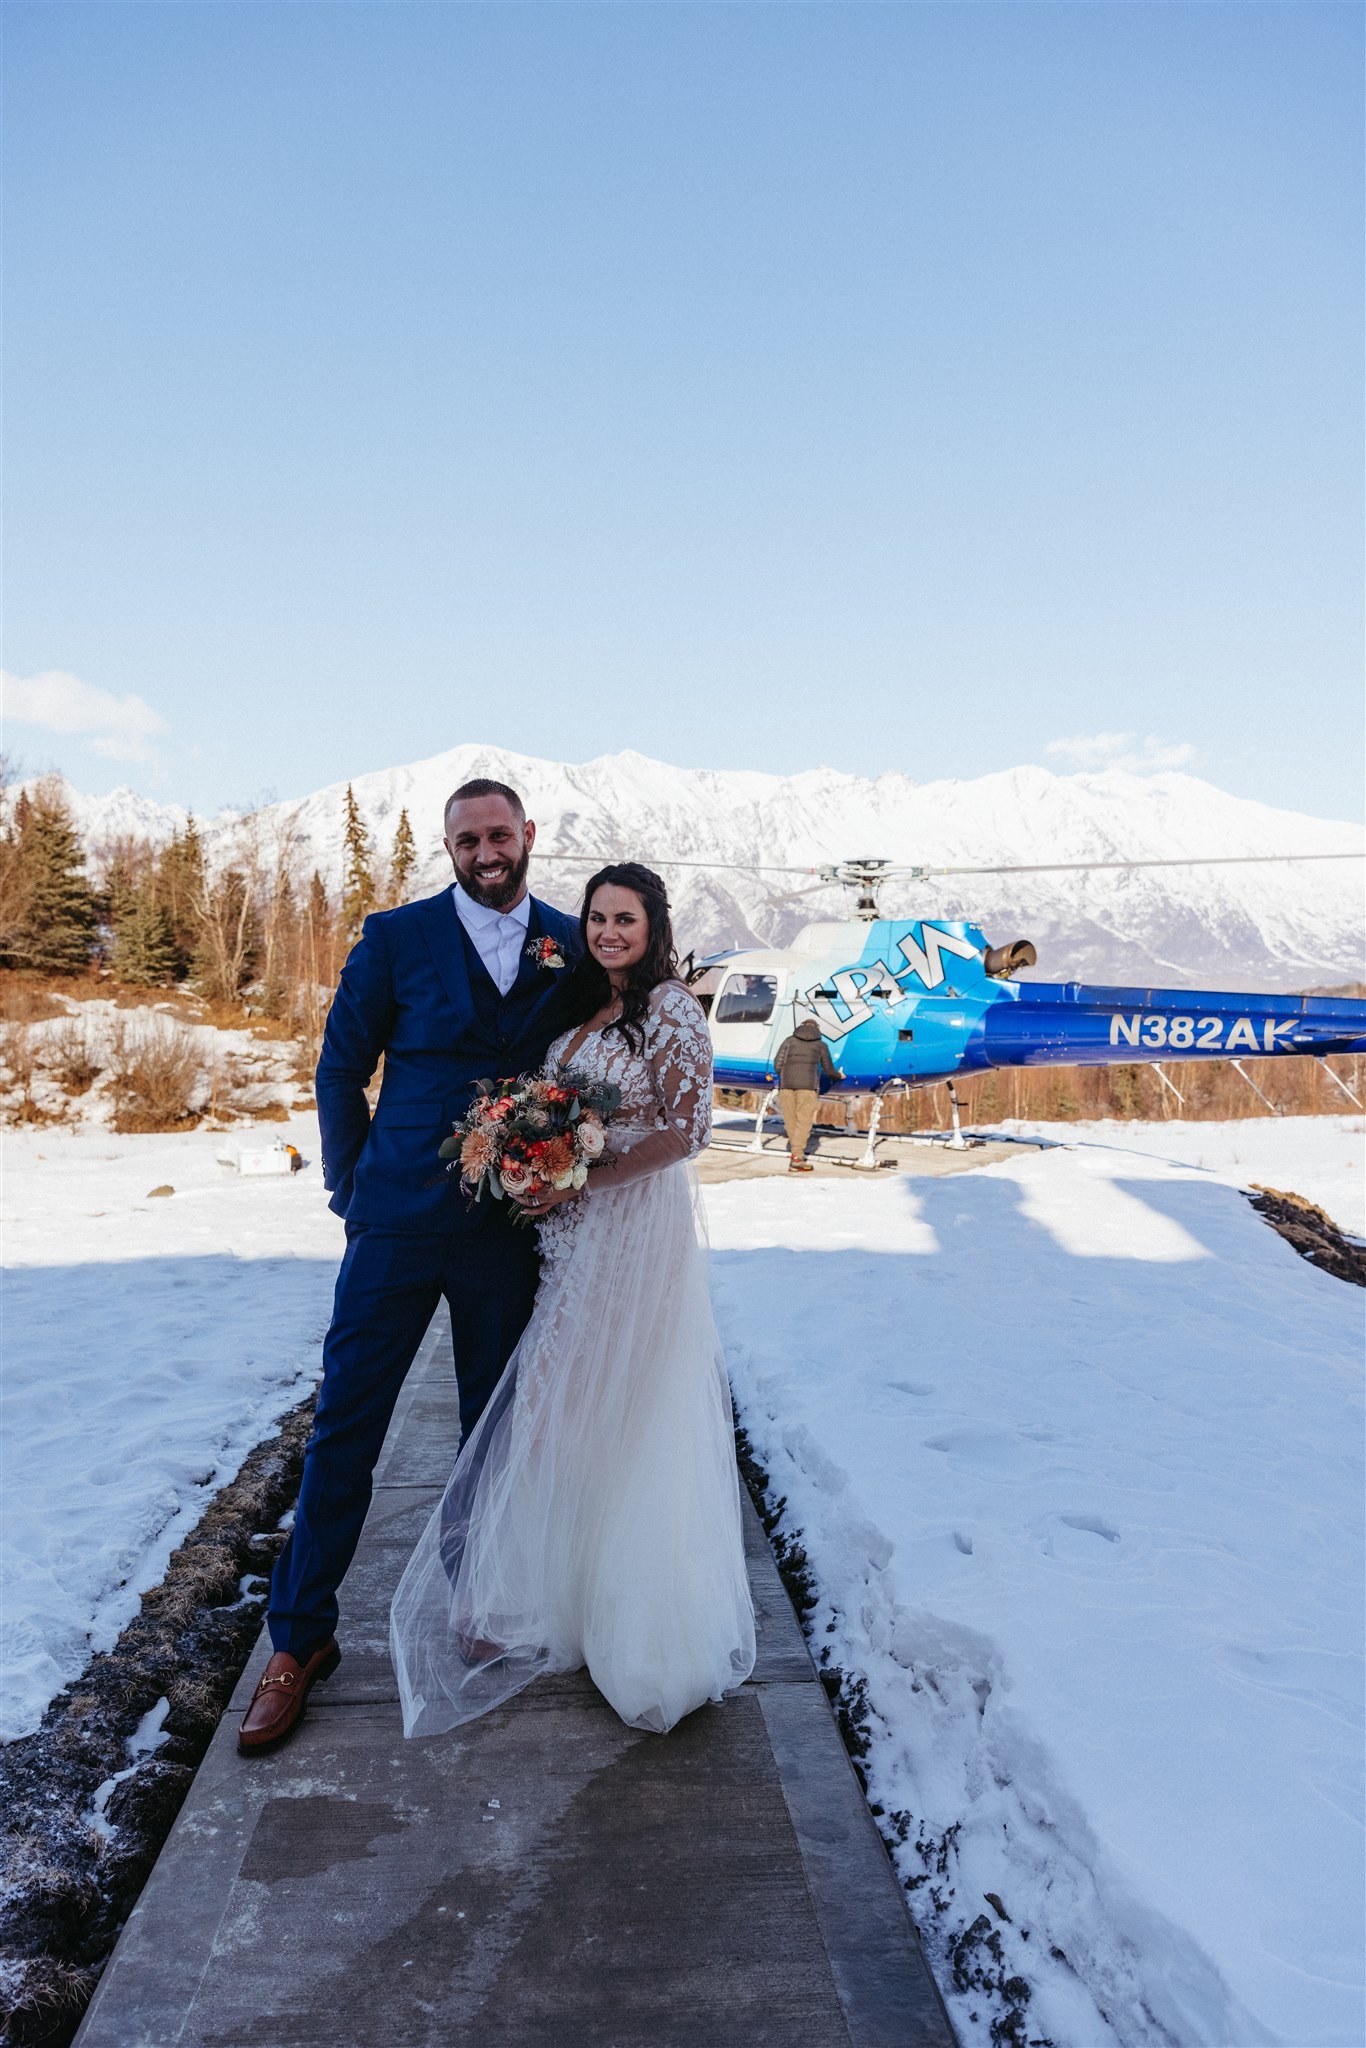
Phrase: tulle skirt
x=593 y=1516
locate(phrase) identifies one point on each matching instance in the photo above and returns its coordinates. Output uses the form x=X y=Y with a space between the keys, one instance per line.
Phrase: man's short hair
x=483 y=785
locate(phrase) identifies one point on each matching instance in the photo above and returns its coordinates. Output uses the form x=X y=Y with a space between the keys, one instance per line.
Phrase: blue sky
x=914 y=386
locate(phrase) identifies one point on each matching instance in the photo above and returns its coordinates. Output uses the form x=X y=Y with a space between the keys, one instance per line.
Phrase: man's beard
x=496 y=895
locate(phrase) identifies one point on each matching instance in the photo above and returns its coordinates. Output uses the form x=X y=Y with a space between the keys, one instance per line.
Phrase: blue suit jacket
x=405 y=992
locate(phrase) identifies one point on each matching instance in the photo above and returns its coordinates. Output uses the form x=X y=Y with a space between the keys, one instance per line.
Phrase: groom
x=448 y=990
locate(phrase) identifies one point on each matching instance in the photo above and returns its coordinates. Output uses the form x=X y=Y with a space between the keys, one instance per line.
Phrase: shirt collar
x=483 y=917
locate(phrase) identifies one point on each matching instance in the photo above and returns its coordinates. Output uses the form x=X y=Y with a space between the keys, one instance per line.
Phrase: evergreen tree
x=14 y=878
x=358 y=885
x=319 y=908
x=320 y=931
x=278 y=939
x=1124 y=1091
x=402 y=861
x=144 y=948
x=180 y=889
x=316 y=961
x=56 y=932
x=124 y=866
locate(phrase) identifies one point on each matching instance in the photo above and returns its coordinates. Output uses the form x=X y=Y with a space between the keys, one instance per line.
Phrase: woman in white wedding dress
x=593 y=1516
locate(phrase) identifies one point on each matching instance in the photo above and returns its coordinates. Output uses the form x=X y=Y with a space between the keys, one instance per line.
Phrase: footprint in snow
x=989 y=1450
x=1084 y=1537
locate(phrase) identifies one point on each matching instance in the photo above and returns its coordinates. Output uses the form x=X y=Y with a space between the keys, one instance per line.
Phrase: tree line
x=249 y=928
x=253 y=931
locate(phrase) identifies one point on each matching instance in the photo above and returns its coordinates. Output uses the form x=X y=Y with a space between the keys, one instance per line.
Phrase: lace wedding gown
x=593 y=1516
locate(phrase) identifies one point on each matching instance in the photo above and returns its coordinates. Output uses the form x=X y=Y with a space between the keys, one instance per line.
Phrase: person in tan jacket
x=800 y=1061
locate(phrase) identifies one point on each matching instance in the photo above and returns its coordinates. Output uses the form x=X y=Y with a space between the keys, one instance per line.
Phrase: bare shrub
x=157 y=1071
x=70 y=1057
x=16 y=1071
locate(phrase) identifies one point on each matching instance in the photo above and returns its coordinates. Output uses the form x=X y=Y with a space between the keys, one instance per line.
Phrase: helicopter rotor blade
x=897 y=870
x=729 y=867
x=1077 y=867
x=799 y=895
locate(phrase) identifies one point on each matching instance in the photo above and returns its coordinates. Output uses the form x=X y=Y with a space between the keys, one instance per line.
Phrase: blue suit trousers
x=387 y=1292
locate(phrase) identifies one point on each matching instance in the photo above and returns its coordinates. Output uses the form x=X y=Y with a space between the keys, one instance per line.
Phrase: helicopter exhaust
x=1002 y=963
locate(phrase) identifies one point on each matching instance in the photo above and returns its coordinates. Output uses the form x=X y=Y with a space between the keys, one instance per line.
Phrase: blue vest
x=501 y=1018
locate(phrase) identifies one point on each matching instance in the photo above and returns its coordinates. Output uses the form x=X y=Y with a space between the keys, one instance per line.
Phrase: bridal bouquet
x=521 y=1137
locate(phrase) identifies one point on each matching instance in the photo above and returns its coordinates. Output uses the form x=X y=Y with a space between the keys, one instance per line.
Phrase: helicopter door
x=742 y=1014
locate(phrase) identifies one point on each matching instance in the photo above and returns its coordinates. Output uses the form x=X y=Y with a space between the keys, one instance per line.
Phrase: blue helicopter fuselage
x=904 y=1002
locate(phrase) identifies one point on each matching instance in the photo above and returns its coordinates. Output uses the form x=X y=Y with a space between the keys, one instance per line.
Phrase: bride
x=593 y=1515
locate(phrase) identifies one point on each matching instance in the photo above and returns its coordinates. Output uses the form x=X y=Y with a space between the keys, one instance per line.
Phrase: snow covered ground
x=148 y=1345
x=238 y=1072
x=1320 y=1157
x=1074 y=1446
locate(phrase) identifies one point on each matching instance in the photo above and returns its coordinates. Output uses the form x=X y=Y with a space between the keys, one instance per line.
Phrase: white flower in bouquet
x=591 y=1137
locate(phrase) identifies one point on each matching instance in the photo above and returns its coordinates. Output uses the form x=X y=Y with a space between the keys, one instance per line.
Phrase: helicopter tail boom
x=1076 y=1024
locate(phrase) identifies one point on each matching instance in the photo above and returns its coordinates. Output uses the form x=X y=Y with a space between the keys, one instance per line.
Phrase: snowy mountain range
x=1278 y=926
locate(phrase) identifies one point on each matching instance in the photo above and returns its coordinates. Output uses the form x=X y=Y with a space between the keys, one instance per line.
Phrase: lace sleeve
x=678 y=1048
x=678 y=1045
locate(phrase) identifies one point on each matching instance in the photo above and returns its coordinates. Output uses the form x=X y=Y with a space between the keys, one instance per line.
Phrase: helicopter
x=905 y=1003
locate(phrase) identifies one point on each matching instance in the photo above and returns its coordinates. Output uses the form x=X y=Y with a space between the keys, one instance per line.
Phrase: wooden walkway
x=542 y=1876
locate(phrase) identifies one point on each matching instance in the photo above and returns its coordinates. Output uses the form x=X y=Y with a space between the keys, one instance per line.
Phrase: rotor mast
x=866 y=877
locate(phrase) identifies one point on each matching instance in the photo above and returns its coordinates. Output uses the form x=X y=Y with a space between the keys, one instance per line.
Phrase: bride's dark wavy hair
x=589 y=988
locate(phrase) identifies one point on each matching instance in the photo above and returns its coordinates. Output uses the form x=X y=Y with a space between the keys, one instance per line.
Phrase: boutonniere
x=546 y=953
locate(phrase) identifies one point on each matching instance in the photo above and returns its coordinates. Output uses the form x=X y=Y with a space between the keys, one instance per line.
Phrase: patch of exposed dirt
x=66 y=1884
x=26 y=1000
x=1312 y=1232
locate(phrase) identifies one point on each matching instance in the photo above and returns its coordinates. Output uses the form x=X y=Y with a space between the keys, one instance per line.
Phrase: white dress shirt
x=499 y=935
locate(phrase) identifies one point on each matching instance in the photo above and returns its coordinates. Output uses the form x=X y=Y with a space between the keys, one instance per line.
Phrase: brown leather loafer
x=277 y=1705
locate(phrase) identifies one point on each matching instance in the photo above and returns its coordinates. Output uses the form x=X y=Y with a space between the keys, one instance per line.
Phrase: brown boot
x=277 y=1705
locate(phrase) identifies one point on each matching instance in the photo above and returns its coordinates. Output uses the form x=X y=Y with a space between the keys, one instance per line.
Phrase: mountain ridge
x=1275 y=927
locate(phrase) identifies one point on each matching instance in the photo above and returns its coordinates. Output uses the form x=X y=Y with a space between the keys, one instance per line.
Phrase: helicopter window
x=746 y=999
x=704 y=983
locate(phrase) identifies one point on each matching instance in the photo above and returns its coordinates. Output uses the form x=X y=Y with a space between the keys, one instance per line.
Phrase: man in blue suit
x=449 y=990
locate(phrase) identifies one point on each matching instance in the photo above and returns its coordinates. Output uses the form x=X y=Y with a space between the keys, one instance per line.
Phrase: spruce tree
x=180 y=890
x=56 y=934
x=358 y=885
x=402 y=861
x=14 y=877
x=319 y=908
x=124 y=867
x=279 y=936
x=144 y=948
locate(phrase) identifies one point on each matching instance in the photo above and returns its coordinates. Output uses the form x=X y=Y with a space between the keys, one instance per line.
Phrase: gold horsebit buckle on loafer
x=284 y=1678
